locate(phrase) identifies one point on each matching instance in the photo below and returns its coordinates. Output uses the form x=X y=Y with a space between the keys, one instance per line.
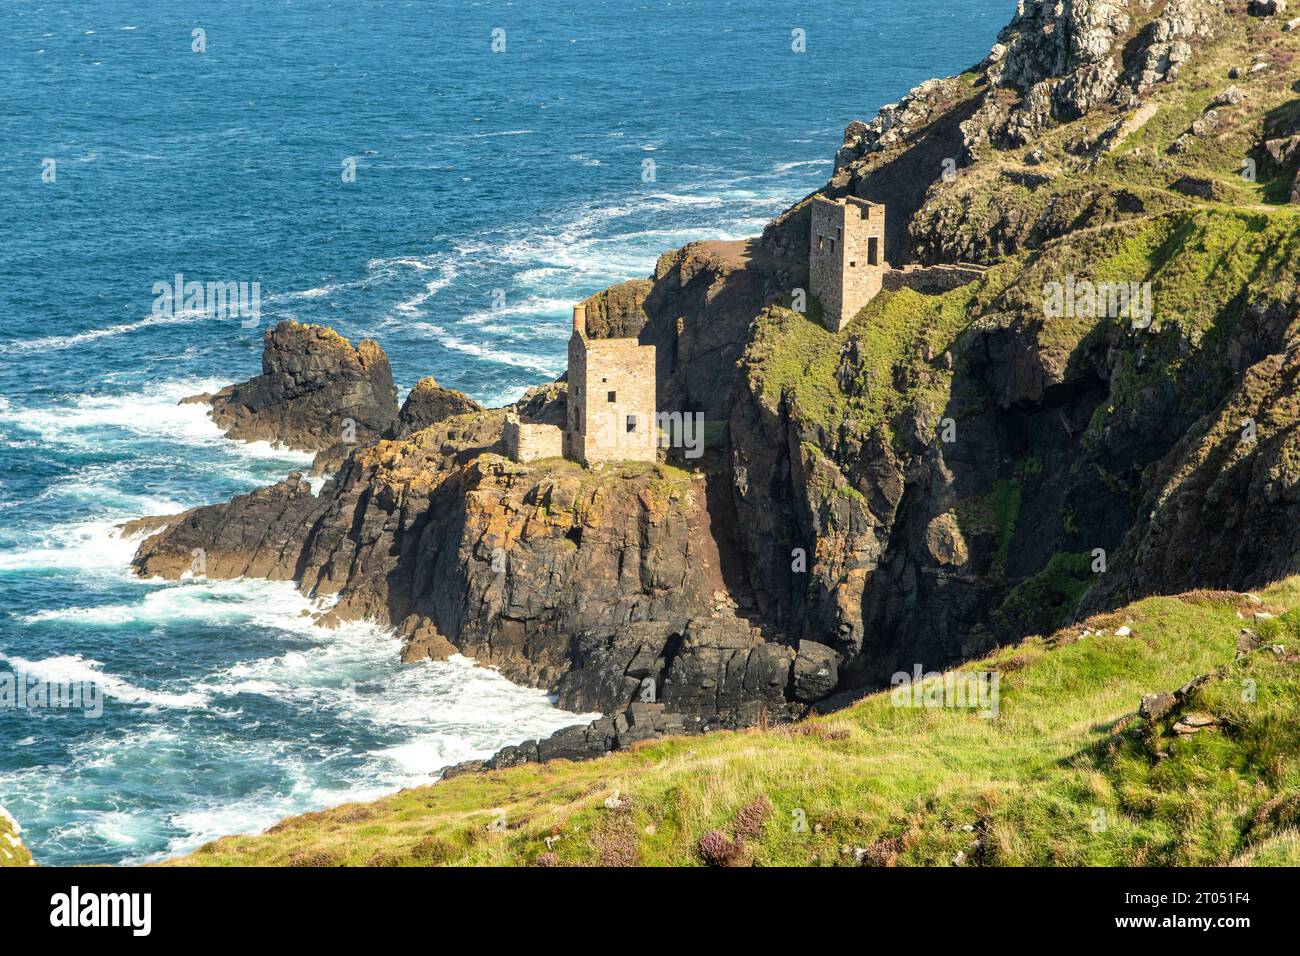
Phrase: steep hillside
x=955 y=461
x=959 y=469
x=1068 y=773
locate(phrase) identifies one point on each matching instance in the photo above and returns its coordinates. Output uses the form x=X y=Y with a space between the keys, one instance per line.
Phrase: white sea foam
x=53 y=342
x=74 y=669
x=432 y=288
x=153 y=412
x=456 y=343
x=781 y=169
x=315 y=717
x=78 y=547
x=530 y=306
x=677 y=199
x=346 y=685
x=504 y=132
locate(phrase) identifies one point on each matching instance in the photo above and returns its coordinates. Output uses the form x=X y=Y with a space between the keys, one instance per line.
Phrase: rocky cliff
x=606 y=585
x=317 y=392
x=962 y=466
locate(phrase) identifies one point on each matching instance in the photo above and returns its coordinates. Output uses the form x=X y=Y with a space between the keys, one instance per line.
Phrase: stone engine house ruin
x=611 y=405
x=846 y=262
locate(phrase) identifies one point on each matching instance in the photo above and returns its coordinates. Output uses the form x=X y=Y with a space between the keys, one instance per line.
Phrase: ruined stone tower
x=611 y=399
x=846 y=263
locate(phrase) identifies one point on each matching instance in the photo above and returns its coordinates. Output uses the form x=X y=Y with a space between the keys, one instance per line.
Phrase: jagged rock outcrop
x=712 y=675
x=317 y=392
x=897 y=122
x=1068 y=57
x=1057 y=61
x=1277 y=154
x=586 y=582
x=429 y=403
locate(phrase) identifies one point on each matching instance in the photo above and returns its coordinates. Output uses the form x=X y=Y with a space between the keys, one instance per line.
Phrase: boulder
x=725 y=674
x=1194 y=723
x=1199 y=186
x=1265 y=8
x=1155 y=706
x=944 y=541
x=816 y=671
x=1232 y=96
x=610 y=671
x=1206 y=124
x=1283 y=149
x=426 y=643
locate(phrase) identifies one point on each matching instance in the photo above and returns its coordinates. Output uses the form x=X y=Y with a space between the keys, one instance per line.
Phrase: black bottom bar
x=305 y=905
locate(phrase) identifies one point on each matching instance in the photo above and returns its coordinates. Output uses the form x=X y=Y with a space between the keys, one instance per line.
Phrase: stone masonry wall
x=932 y=280
x=528 y=442
x=575 y=445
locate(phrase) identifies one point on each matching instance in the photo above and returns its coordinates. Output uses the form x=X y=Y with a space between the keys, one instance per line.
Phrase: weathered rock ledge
x=317 y=392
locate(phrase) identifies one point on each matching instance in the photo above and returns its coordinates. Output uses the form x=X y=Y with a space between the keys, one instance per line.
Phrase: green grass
x=12 y=851
x=1064 y=775
x=898 y=334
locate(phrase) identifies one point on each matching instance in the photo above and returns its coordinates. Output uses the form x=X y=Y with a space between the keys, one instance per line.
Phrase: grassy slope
x=1205 y=264
x=12 y=851
x=911 y=786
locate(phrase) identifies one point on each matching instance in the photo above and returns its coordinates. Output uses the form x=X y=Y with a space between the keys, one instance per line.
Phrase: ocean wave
x=73 y=668
x=154 y=412
x=54 y=342
x=374 y=726
x=455 y=343
x=531 y=306
x=504 y=132
x=79 y=547
x=431 y=288
x=237 y=602
x=781 y=169
x=678 y=199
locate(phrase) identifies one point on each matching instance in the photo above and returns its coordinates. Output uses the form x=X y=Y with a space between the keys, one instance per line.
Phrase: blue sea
x=522 y=169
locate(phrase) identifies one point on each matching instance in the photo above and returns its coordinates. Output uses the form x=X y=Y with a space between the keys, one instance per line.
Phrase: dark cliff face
x=696 y=310
x=957 y=470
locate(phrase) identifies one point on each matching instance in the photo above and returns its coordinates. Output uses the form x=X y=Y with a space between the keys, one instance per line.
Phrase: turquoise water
x=519 y=171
